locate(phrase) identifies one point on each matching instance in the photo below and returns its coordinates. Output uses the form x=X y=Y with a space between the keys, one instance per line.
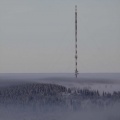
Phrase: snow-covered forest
x=48 y=94
x=59 y=99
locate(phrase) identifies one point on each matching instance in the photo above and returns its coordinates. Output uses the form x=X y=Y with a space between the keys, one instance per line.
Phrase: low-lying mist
x=59 y=113
x=40 y=101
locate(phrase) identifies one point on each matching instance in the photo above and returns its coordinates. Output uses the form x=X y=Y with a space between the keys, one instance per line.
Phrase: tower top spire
x=75 y=8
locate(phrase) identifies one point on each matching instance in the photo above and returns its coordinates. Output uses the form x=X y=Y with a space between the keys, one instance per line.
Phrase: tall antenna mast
x=76 y=56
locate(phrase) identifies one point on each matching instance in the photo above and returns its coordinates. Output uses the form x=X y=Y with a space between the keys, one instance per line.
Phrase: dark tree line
x=47 y=94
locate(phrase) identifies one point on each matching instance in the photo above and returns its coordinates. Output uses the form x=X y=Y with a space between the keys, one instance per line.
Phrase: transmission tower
x=76 y=56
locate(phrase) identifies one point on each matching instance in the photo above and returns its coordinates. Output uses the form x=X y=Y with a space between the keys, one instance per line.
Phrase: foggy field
x=31 y=113
x=59 y=97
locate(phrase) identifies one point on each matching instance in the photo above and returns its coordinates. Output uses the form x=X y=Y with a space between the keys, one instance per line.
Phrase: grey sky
x=38 y=35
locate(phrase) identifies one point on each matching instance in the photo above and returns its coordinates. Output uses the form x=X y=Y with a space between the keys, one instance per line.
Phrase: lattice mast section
x=76 y=56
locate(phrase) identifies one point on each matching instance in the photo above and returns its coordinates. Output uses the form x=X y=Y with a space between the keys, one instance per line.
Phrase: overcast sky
x=38 y=36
